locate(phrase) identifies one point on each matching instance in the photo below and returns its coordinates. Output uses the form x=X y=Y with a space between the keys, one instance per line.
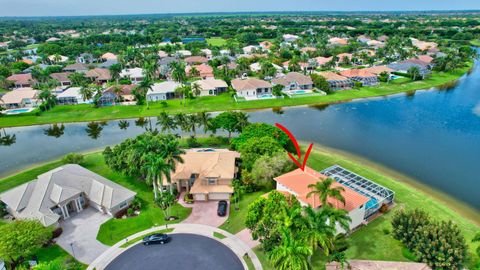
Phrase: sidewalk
x=233 y=242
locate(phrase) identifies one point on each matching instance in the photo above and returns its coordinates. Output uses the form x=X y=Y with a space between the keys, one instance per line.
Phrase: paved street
x=184 y=252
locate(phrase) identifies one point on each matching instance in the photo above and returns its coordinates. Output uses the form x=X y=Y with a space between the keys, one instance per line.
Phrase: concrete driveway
x=81 y=231
x=206 y=213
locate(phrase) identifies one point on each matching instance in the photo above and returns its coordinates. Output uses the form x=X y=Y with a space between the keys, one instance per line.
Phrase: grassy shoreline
x=83 y=113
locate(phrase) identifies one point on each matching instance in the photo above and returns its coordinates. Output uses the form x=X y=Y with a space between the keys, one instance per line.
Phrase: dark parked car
x=157 y=238
x=222 y=208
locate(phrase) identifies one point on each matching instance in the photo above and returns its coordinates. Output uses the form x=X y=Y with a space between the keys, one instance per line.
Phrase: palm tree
x=291 y=253
x=178 y=72
x=173 y=155
x=123 y=124
x=166 y=122
x=196 y=89
x=475 y=240
x=318 y=234
x=414 y=72
x=142 y=89
x=115 y=71
x=205 y=120
x=155 y=167
x=194 y=72
x=94 y=130
x=337 y=216
x=182 y=121
x=242 y=121
x=192 y=121
x=86 y=92
x=325 y=190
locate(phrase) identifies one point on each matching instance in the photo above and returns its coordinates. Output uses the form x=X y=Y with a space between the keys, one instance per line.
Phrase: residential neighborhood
x=196 y=139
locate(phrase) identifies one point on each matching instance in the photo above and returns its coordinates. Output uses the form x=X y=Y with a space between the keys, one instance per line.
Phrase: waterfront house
x=251 y=88
x=207 y=174
x=183 y=53
x=377 y=70
x=363 y=198
x=20 y=98
x=133 y=74
x=290 y=38
x=118 y=94
x=72 y=96
x=335 y=81
x=62 y=78
x=336 y=41
x=294 y=81
x=62 y=192
x=162 y=91
x=360 y=75
x=211 y=86
x=195 y=60
x=404 y=66
x=22 y=80
x=109 y=57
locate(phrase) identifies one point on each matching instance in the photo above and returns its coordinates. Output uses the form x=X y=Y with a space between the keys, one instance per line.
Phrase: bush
x=130 y=212
x=121 y=213
x=192 y=142
x=57 y=232
x=357 y=85
x=188 y=198
x=73 y=158
x=386 y=231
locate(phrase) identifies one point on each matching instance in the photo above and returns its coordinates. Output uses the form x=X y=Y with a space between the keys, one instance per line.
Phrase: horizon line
x=248 y=12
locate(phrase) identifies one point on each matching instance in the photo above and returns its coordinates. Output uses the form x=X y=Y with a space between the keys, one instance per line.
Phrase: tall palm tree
x=86 y=92
x=325 y=190
x=414 y=72
x=337 y=216
x=173 y=155
x=242 y=121
x=205 y=120
x=142 y=89
x=291 y=253
x=178 y=72
x=182 y=121
x=196 y=89
x=166 y=122
x=318 y=234
x=156 y=168
x=192 y=121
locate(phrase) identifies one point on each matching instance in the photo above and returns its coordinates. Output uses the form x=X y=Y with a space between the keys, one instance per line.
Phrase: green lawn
x=115 y=230
x=475 y=42
x=236 y=219
x=216 y=41
x=54 y=252
x=79 y=113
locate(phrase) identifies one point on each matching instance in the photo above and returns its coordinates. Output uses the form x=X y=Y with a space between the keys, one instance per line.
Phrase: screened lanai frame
x=340 y=84
x=378 y=194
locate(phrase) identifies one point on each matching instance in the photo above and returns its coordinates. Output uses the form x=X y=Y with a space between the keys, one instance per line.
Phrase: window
x=210 y=92
x=212 y=181
x=123 y=204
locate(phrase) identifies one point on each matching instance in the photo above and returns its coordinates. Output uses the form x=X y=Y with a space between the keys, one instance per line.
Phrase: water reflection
x=7 y=139
x=94 y=129
x=123 y=124
x=320 y=107
x=140 y=122
x=55 y=130
x=278 y=110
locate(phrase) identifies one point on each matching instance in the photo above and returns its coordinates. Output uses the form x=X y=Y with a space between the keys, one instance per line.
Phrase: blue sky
x=100 y=7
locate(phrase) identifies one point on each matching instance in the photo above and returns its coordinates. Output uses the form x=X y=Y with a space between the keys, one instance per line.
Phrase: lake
x=432 y=136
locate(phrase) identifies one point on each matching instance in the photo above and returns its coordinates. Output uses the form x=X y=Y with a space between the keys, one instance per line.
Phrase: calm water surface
x=432 y=136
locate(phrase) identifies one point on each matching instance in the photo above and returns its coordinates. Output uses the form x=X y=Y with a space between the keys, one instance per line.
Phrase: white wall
x=218 y=196
x=156 y=96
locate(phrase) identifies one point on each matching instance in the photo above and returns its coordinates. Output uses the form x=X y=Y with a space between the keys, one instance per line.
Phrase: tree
x=318 y=232
x=337 y=216
x=476 y=239
x=20 y=238
x=154 y=168
x=78 y=79
x=165 y=202
x=414 y=73
x=231 y=122
x=255 y=148
x=205 y=120
x=267 y=167
x=115 y=71
x=141 y=90
x=406 y=223
x=166 y=122
x=277 y=90
x=86 y=92
x=292 y=253
x=94 y=129
x=196 y=89
x=259 y=130
x=320 y=83
x=324 y=190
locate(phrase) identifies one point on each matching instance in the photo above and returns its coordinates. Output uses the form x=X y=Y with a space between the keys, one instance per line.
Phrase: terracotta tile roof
x=76 y=67
x=343 y=55
x=101 y=74
x=425 y=58
x=323 y=60
x=297 y=182
x=109 y=56
x=377 y=70
x=205 y=70
x=16 y=96
x=61 y=76
x=308 y=49
x=293 y=77
x=250 y=83
x=336 y=40
x=211 y=84
x=332 y=76
x=21 y=78
x=125 y=89
x=350 y=73
x=196 y=59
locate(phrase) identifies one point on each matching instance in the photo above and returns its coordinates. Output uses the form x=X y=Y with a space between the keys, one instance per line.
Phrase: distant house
x=20 y=98
x=165 y=63
x=266 y=45
x=77 y=67
x=321 y=61
x=72 y=96
x=194 y=60
x=99 y=75
x=162 y=54
x=294 y=81
x=85 y=58
x=336 y=41
x=363 y=197
x=62 y=78
x=377 y=70
x=207 y=174
x=205 y=71
x=290 y=38
x=60 y=193
x=184 y=53
x=308 y=49
x=109 y=56
x=342 y=56
x=207 y=53
x=360 y=75
x=250 y=49
x=257 y=67
x=211 y=87
x=133 y=74
x=251 y=87
x=404 y=66
x=118 y=93
x=423 y=45
x=162 y=91
x=58 y=58
x=335 y=81
x=22 y=80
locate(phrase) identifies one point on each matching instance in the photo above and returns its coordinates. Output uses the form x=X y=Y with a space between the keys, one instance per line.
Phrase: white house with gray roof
x=60 y=193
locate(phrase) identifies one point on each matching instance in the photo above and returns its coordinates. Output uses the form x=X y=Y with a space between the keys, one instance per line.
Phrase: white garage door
x=200 y=197
x=218 y=196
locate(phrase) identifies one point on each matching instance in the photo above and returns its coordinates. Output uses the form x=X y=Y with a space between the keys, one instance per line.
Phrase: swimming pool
x=18 y=111
x=265 y=96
